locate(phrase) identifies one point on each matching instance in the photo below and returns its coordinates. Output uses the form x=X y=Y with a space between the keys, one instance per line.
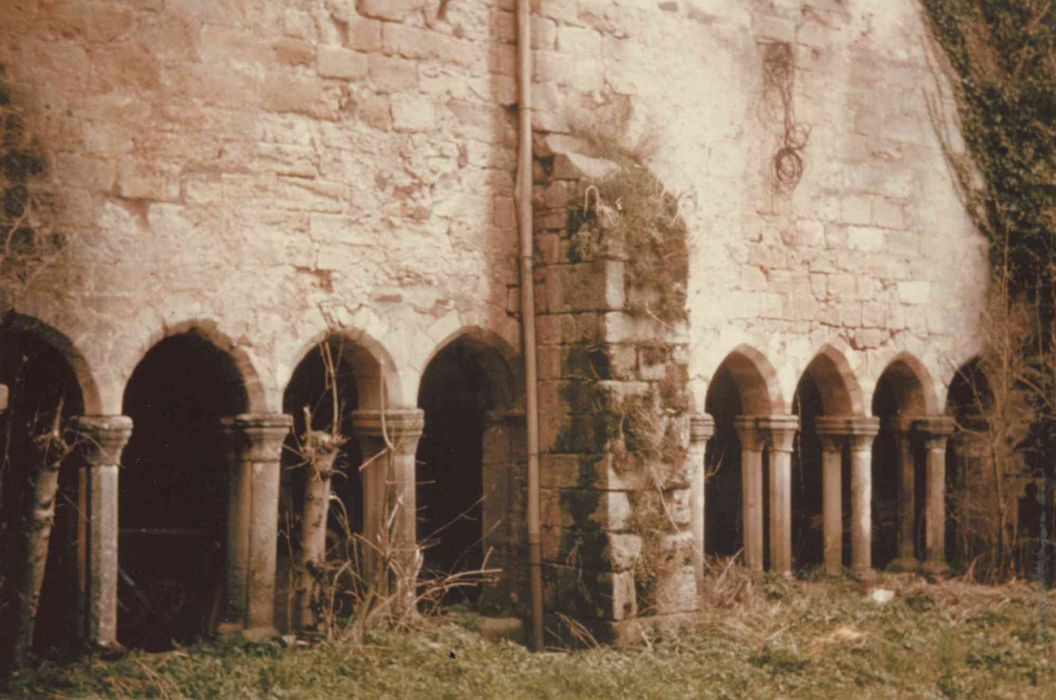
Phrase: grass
x=758 y=637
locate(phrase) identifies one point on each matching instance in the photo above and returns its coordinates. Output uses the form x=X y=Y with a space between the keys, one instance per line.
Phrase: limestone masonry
x=266 y=174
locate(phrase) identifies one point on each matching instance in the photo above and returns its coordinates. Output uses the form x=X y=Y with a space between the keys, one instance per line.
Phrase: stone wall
x=266 y=171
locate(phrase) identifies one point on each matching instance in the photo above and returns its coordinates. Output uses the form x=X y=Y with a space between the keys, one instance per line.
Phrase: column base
x=863 y=574
x=904 y=565
x=234 y=630
x=935 y=568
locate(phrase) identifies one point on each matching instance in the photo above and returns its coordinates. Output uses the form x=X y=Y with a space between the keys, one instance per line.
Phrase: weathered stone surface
x=276 y=173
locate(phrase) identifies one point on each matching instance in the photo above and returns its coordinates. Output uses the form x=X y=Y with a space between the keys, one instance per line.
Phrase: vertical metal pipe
x=524 y=225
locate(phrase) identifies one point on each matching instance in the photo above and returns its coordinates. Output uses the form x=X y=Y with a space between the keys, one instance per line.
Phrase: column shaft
x=862 y=431
x=102 y=439
x=751 y=491
x=700 y=431
x=935 y=430
x=389 y=441
x=780 y=432
x=832 y=502
x=907 y=474
x=254 y=443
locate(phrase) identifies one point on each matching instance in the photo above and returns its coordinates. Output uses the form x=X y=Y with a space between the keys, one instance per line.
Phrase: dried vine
x=779 y=71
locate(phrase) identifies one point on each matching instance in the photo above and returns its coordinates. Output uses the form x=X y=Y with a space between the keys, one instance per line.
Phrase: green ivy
x=1003 y=55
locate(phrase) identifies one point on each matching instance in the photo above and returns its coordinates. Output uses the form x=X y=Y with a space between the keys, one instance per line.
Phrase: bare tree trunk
x=38 y=520
x=320 y=450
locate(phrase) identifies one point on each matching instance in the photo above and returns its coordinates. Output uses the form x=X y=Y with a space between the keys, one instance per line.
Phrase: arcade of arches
x=186 y=542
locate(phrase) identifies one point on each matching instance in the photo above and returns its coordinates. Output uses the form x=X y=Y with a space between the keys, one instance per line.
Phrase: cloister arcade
x=187 y=540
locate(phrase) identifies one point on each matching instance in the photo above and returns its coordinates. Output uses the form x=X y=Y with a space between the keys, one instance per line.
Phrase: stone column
x=862 y=430
x=101 y=440
x=751 y=489
x=907 y=474
x=388 y=442
x=779 y=433
x=935 y=430
x=832 y=431
x=701 y=428
x=254 y=453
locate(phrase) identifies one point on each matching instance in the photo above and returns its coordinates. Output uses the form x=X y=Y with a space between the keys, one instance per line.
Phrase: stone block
x=914 y=293
x=412 y=113
x=865 y=238
x=392 y=73
x=293 y=52
x=363 y=34
x=337 y=62
x=391 y=10
x=589 y=286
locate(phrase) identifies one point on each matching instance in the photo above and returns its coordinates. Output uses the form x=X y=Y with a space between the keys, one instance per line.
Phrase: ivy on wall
x=1003 y=58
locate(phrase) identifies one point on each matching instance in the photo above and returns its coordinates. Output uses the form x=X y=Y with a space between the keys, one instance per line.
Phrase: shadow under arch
x=471 y=471
x=827 y=387
x=745 y=383
x=61 y=344
x=375 y=374
x=970 y=481
x=174 y=488
x=208 y=331
x=47 y=380
x=904 y=392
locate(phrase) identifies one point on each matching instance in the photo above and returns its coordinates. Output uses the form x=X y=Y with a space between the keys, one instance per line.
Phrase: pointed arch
x=377 y=380
x=905 y=388
x=840 y=391
x=496 y=357
x=756 y=381
x=59 y=342
x=969 y=392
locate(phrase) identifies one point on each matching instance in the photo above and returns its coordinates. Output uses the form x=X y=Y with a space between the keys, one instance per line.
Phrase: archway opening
x=723 y=521
x=173 y=493
x=808 y=541
x=460 y=388
x=969 y=484
x=43 y=392
x=898 y=399
x=323 y=385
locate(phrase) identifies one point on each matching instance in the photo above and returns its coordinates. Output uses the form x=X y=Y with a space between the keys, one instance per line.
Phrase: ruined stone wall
x=267 y=170
x=271 y=168
x=870 y=252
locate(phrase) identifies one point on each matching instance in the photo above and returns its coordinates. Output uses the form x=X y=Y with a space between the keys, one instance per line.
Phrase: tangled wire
x=779 y=68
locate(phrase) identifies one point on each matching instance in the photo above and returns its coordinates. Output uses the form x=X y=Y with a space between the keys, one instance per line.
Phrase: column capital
x=747 y=428
x=102 y=438
x=858 y=430
x=934 y=430
x=779 y=431
x=701 y=428
x=256 y=437
x=403 y=426
x=899 y=423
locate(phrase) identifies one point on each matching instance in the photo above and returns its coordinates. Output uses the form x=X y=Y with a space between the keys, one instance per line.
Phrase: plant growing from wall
x=29 y=240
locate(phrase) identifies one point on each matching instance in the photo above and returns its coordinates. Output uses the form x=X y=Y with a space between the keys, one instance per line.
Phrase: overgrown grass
x=759 y=638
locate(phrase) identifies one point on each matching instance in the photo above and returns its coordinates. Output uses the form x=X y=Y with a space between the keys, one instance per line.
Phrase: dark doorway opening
x=173 y=498
x=455 y=394
x=723 y=520
x=42 y=388
x=808 y=541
